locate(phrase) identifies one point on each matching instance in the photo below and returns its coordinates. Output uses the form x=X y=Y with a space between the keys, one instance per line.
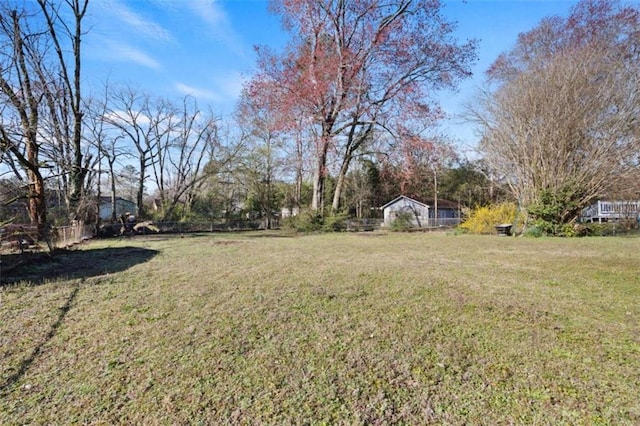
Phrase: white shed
x=122 y=206
x=403 y=204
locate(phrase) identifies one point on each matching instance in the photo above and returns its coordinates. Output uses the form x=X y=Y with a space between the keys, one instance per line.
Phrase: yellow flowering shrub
x=484 y=219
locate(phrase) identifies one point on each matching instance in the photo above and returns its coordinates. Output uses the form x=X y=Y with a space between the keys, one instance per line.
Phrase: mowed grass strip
x=366 y=328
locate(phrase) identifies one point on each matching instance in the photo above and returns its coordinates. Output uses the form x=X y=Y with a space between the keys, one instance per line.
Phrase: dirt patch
x=227 y=242
x=371 y=234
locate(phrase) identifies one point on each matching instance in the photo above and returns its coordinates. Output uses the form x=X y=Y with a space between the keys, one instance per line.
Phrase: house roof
x=442 y=203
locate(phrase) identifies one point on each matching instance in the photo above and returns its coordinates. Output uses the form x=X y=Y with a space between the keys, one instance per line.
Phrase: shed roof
x=403 y=197
x=442 y=203
x=107 y=199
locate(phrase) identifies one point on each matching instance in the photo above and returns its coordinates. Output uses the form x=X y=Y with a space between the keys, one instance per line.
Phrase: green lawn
x=365 y=328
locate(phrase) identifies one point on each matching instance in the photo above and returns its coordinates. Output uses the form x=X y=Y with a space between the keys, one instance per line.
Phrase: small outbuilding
x=423 y=214
x=121 y=205
x=404 y=205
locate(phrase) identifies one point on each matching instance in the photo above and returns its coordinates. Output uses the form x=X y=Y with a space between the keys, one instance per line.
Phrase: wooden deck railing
x=611 y=210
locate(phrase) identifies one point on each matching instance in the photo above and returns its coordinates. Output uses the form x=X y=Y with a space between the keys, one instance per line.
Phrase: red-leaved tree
x=413 y=166
x=354 y=70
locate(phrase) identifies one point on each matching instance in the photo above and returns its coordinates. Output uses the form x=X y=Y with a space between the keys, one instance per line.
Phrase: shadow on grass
x=28 y=361
x=37 y=268
x=66 y=264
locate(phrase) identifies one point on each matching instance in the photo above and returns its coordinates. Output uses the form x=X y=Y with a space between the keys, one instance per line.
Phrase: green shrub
x=306 y=221
x=568 y=230
x=543 y=227
x=556 y=210
x=533 y=231
x=310 y=221
x=403 y=222
x=607 y=229
x=335 y=223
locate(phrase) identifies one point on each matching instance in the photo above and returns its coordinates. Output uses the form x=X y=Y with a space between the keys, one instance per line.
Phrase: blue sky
x=205 y=47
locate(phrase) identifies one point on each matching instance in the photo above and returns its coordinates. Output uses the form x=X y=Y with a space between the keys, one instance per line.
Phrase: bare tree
x=163 y=121
x=563 y=119
x=359 y=189
x=192 y=144
x=177 y=146
x=21 y=97
x=109 y=149
x=130 y=112
x=63 y=94
x=263 y=161
x=38 y=80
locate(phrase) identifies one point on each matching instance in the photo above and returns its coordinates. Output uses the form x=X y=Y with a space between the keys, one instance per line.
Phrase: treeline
x=339 y=122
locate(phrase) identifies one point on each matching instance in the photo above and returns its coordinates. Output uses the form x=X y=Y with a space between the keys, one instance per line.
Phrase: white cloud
x=218 y=23
x=106 y=49
x=210 y=12
x=124 y=52
x=123 y=117
x=231 y=84
x=224 y=89
x=198 y=93
x=138 y=24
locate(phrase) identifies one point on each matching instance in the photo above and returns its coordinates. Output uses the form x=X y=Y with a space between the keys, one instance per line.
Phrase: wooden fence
x=21 y=237
x=66 y=236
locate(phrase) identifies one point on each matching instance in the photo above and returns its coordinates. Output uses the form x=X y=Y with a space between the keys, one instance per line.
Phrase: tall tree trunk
x=140 y=192
x=320 y=173
x=78 y=171
x=340 y=181
x=355 y=140
x=37 y=198
x=37 y=203
x=299 y=171
x=29 y=121
x=77 y=175
x=319 y=176
x=114 y=219
x=319 y=181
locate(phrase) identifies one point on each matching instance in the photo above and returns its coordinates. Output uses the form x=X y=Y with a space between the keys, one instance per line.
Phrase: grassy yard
x=361 y=328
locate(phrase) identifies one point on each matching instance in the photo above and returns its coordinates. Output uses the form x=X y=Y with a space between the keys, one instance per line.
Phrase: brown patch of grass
x=226 y=242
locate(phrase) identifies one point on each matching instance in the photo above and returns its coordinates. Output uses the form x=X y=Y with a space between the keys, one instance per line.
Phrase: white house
x=606 y=211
